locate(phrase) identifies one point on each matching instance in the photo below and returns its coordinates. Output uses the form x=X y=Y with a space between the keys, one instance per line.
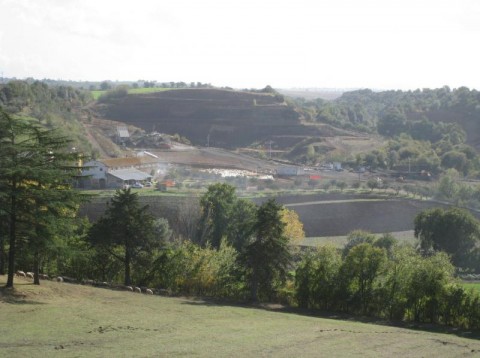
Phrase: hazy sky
x=405 y=44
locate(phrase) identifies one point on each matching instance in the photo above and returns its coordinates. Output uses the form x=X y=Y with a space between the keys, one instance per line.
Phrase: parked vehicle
x=137 y=185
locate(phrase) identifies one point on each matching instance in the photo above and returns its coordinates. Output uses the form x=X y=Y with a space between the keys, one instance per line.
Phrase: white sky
x=386 y=44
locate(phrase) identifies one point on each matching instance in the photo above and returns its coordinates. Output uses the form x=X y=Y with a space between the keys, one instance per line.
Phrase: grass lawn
x=96 y=94
x=474 y=285
x=64 y=320
x=340 y=241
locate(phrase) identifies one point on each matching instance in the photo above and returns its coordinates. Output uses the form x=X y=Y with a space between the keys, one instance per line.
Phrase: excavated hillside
x=221 y=118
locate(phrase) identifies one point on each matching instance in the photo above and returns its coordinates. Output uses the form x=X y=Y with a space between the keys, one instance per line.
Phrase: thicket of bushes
x=395 y=284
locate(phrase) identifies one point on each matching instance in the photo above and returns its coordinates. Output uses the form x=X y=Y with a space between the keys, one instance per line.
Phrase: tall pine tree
x=126 y=230
x=267 y=256
x=37 y=170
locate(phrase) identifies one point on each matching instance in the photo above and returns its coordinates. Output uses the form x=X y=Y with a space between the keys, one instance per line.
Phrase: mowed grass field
x=64 y=320
x=340 y=241
x=473 y=285
x=96 y=94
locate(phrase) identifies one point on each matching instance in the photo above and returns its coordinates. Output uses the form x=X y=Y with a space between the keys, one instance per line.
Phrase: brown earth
x=322 y=215
x=338 y=214
x=221 y=118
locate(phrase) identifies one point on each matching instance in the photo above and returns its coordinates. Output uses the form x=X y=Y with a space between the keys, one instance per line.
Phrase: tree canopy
x=454 y=231
x=37 y=171
x=267 y=256
x=126 y=230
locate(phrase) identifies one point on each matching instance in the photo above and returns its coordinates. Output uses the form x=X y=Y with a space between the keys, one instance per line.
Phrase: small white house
x=96 y=172
x=113 y=173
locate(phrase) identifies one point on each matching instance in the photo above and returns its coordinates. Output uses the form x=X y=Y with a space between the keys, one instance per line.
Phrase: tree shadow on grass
x=13 y=296
x=414 y=326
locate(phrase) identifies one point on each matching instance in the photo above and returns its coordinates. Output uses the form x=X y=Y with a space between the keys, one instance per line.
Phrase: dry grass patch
x=59 y=319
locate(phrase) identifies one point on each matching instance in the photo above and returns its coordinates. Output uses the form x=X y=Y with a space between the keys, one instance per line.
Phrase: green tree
x=456 y=160
x=454 y=231
x=126 y=230
x=316 y=278
x=447 y=186
x=392 y=123
x=242 y=222
x=399 y=270
x=426 y=286
x=267 y=256
x=372 y=184
x=36 y=172
x=217 y=206
x=360 y=268
x=355 y=238
x=105 y=85
x=224 y=215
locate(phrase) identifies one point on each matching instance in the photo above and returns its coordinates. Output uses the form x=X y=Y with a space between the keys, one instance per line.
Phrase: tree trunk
x=36 y=268
x=254 y=287
x=11 y=249
x=127 y=267
x=2 y=255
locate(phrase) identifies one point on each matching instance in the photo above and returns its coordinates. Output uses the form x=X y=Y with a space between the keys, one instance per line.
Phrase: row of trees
x=108 y=85
x=36 y=195
x=370 y=276
x=255 y=237
x=395 y=283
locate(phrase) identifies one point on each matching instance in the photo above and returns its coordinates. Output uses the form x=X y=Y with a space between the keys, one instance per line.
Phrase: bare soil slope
x=221 y=118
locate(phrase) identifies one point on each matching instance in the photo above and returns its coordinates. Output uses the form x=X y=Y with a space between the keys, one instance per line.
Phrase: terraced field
x=336 y=214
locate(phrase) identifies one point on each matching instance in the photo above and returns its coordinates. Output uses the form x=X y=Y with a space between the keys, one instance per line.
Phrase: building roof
x=129 y=174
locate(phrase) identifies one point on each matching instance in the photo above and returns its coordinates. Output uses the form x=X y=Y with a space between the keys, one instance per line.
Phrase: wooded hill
x=418 y=112
x=56 y=107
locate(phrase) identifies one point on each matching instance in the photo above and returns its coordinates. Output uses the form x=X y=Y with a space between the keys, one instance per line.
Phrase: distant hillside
x=55 y=107
x=364 y=109
x=222 y=118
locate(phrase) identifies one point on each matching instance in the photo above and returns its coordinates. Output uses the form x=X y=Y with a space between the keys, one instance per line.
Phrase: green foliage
x=402 y=285
x=224 y=215
x=415 y=121
x=316 y=278
x=190 y=269
x=128 y=232
x=112 y=94
x=372 y=184
x=267 y=257
x=359 y=271
x=456 y=160
x=426 y=286
x=356 y=238
x=454 y=231
x=36 y=195
x=217 y=209
x=447 y=186
x=53 y=106
x=392 y=123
